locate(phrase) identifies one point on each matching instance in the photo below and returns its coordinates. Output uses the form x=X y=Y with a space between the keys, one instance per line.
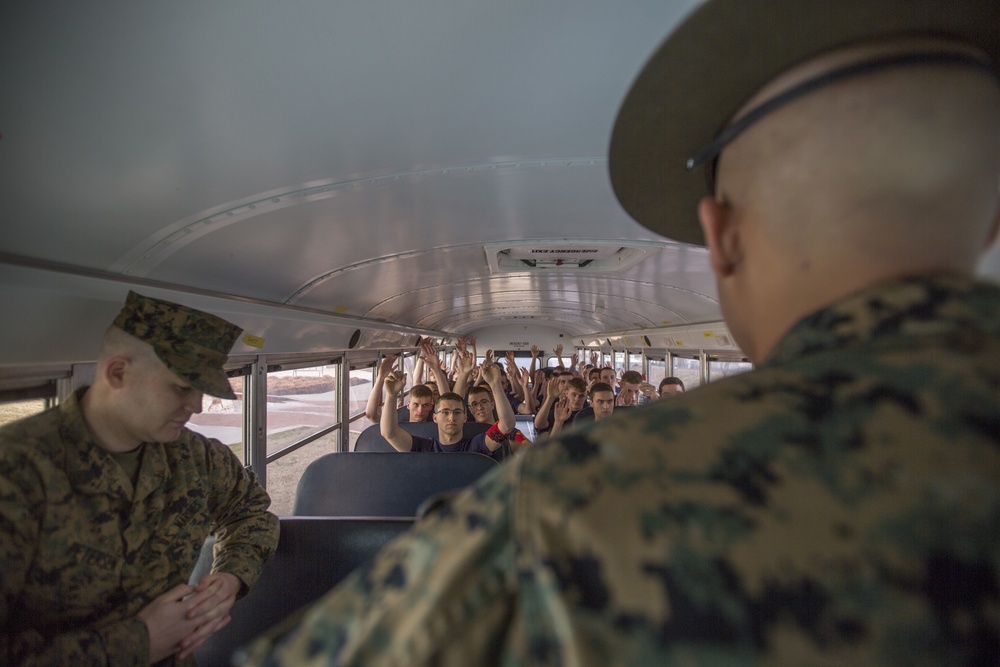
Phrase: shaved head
x=884 y=174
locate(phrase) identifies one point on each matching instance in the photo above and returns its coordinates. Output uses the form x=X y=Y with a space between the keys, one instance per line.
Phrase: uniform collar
x=914 y=306
x=91 y=470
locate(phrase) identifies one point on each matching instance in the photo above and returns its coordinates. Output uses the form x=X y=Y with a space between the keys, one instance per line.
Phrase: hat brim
x=719 y=57
x=204 y=378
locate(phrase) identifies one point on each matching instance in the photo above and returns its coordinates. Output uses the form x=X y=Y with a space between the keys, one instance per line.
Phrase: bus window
x=283 y=474
x=619 y=363
x=360 y=381
x=11 y=411
x=635 y=362
x=720 y=369
x=222 y=419
x=656 y=370
x=689 y=371
x=303 y=417
x=299 y=403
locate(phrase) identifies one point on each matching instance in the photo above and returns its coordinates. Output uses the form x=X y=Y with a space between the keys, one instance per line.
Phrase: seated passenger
x=629 y=392
x=670 y=386
x=450 y=416
x=419 y=407
x=556 y=389
x=482 y=409
x=435 y=392
x=609 y=377
x=602 y=404
x=569 y=405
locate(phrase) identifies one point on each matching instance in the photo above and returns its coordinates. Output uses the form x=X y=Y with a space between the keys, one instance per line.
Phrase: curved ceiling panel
x=348 y=158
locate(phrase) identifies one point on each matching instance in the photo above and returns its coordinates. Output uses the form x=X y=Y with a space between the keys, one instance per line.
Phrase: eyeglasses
x=450 y=413
x=476 y=404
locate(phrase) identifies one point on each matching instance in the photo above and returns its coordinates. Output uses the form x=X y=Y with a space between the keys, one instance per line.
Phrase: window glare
x=15 y=410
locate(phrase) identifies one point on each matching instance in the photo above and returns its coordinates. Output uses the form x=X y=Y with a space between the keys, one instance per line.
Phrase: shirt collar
x=909 y=306
x=91 y=470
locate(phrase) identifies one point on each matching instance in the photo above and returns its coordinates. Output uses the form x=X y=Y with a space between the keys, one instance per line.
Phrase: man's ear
x=115 y=370
x=722 y=236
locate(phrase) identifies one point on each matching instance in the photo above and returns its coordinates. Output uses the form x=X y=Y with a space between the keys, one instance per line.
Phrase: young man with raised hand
x=450 y=416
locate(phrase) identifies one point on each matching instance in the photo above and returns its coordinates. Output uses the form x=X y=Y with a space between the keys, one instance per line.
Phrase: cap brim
x=719 y=57
x=211 y=381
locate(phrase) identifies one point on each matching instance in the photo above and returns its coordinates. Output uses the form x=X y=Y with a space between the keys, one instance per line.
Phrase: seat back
x=371 y=440
x=314 y=554
x=382 y=483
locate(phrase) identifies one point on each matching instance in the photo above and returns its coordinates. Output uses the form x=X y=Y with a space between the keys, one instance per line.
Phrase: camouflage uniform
x=839 y=505
x=83 y=552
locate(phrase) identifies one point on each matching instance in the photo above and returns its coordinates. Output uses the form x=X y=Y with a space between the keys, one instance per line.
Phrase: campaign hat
x=722 y=54
x=193 y=344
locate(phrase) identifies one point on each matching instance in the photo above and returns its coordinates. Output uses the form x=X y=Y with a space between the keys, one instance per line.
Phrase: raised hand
x=627 y=397
x=489 y=370
x=387 y=365
x=562 y=411
x=394 y=382
x=534 y=351
x=466 y=362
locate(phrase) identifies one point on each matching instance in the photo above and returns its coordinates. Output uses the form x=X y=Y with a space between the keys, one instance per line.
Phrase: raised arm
x=430 y=357
x=524 y=381
x=558 y=350
x=551 y=396
x=418 y=371
x=512 y=375
x=466 y=362
x=389 y=425
x=559 y=416
x=505 y=413
x=534 y=359
x=373 y=410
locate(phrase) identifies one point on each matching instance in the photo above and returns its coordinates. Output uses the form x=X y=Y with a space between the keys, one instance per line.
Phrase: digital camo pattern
x=191 y=343
x=840 y=505
x=83 y=551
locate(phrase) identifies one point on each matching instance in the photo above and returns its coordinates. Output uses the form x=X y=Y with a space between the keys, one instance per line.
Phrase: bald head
x=888 y=173
x=899 y=165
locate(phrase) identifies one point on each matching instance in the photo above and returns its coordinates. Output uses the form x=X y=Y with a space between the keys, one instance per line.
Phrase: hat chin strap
x=711 y=152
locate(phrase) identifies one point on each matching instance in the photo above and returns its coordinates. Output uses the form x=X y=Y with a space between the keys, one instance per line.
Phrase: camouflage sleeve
x=22 y=503
x=246 y=533
x=440 y=594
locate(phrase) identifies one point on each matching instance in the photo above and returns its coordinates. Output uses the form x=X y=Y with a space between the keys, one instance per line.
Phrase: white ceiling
x=345 y=157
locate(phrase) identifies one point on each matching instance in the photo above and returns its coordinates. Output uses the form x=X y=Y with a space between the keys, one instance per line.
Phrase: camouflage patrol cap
x=193 y=344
